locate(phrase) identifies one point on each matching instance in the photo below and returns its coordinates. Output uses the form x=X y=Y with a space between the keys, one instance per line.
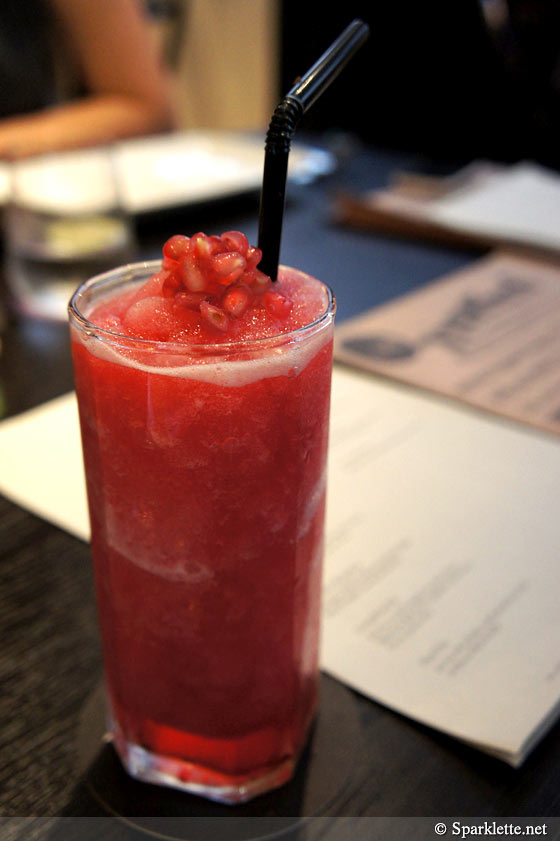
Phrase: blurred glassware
x=63 y=223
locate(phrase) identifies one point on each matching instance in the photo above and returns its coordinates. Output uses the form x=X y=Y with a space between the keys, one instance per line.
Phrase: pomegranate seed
x=216 y=244
x=202 y=247
x=191 y=275
x=277 y=305
x=168 y=264
x=259 y=281
x=176 y=246
x=214 y=316
x=214 y=276
x=191 y=300
x=228 y=267
x=236 y=241
x=253 y=257
x=171 y=283
x=236 y=301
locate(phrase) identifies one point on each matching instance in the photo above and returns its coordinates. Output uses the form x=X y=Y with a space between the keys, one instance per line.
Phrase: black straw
x=282 y=126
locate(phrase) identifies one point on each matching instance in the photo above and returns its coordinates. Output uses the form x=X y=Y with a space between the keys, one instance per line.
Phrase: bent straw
x=282 y=126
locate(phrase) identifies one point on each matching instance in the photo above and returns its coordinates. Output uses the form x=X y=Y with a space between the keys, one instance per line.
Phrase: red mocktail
x=205 y=447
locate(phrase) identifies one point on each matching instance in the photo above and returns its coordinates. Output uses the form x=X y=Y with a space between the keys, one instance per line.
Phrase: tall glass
x=63 y=222
x=206 y=477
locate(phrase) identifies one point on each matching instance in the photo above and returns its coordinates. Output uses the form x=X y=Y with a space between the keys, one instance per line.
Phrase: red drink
x=205 y=468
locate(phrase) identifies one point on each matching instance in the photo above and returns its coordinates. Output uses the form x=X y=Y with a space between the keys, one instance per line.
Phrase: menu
x=442 y=567
x=484 y=205
x=487 y=335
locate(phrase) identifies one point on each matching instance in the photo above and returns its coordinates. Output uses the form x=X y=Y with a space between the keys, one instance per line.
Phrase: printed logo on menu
x=474 y=322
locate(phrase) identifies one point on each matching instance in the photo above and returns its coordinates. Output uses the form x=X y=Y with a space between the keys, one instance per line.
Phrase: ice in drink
x=204 y=406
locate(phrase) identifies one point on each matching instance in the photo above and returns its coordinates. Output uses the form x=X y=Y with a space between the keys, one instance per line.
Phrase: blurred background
x=453 y=80
x=448 y=79
x=438 y=83
x=224 y=58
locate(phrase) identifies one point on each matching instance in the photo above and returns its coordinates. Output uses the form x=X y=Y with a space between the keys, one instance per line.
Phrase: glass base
x=149 y=767
x=329 y=769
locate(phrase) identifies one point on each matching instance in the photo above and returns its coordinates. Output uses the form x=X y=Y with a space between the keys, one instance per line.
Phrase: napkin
x=41 y=464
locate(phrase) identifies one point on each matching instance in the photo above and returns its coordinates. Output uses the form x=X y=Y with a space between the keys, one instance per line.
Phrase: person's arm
x=128 y=90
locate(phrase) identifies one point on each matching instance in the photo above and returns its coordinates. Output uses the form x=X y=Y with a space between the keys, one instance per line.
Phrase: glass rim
x=149 y=267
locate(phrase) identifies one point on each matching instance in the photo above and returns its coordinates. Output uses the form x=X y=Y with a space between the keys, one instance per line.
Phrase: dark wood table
x=50 y=663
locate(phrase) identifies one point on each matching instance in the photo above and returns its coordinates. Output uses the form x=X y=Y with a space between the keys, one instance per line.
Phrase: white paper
x=520 y=203
x=41 y=464
x=442 y=571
